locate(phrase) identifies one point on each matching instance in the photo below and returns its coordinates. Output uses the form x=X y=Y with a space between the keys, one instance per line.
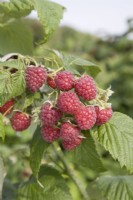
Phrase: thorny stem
x=71 y=173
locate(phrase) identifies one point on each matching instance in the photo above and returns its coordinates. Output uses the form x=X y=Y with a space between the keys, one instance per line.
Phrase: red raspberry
x=70 y=145
x=68 y=102
x=50 y=115
x=70 y=135
x=85 y=117
x=20 y=121
x=64 y=80
x=103 y=115
x=35 y=77
x=50 y=133
x=51 y=82
x=86 y=87
x=69 y=131
x=7 y=107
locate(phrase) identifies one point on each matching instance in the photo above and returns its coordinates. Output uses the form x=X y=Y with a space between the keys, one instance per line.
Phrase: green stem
x=71 y=173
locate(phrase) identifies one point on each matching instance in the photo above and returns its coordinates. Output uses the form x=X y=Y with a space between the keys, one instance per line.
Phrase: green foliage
x=15 y=9
x=54 y=187
x=16 y=37
x=116 y=136
x=2 y=127
x=77 y=65
x=11 y=84
x=37 y=150
x=116 y=187
x=1 y=176
x=87 y=155
x=50 y=14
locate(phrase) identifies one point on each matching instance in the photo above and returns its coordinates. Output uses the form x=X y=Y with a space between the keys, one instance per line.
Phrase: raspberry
x=70 y=135
x=85 y=117
x=86 y=88
x=68 y=102
x=49 y=115
x=35 y=77
x=70 y=145
x=20 y=121
x=103 y=115
x=69 y=131
x=7 y=107
x=51 y=82
x=64 y=80
x=50 y=133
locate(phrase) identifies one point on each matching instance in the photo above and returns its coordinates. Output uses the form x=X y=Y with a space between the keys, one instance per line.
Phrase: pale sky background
x=97 y=16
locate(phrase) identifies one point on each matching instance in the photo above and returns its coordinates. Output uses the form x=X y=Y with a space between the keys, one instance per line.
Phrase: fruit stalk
x=70 y=172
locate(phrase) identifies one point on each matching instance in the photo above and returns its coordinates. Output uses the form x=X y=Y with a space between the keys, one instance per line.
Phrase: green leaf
x=1 y=176
x=9 y=190
x=55 y=187
x=94 y=192
x=15 y=9
x=16 y=37
x=87 y=155
x=78 y=65
x=50 y=14
x=116 y=187
x=11 y=84
x=116 y=136
x=2 y=128
x=37 y=149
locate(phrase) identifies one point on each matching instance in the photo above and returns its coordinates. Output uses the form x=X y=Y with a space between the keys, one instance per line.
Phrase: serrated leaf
x=55 y=187
x=50 y=14
x=116 y=136
x=37 y=149
x=78 y=65
x=16 y=37
x=11 y=84
x=116 y=187
x=2 y=128
x=15 y=9
x=87 y=155
x=1 y=176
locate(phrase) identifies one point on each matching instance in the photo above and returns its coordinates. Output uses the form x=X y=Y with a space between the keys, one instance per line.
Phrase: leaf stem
x=71 y=173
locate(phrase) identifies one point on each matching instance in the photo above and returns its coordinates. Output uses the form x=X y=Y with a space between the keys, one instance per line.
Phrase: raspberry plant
x=70 y=115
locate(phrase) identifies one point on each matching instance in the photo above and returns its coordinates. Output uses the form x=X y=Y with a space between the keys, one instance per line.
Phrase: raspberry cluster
x=79 y=105
x=75 y=109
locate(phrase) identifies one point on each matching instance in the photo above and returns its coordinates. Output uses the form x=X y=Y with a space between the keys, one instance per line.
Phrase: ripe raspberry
x=64 y=80
x=7 y=107
x=50 y=133
x=86 y=88
x=70 y=145
x=20 y=121
x=49 y=115
x=35 y=77
x=85 y=117
x=51 y=82
x=68 y=102
x=68 y=131
x=103 y=115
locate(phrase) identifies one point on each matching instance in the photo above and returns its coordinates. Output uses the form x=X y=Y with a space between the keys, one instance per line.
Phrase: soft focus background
x=102 y=32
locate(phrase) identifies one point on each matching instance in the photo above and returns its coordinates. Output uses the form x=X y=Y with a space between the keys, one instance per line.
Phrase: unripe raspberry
x=85 y=117
x=7 y=107
x=50 y=134
x=35 y=77
x=64 y=80
x=86 y=87
x=68 y=102
x=20 y=121
x=103 y=116
x=50 y=115
x=51 y=82
x=70 y=145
